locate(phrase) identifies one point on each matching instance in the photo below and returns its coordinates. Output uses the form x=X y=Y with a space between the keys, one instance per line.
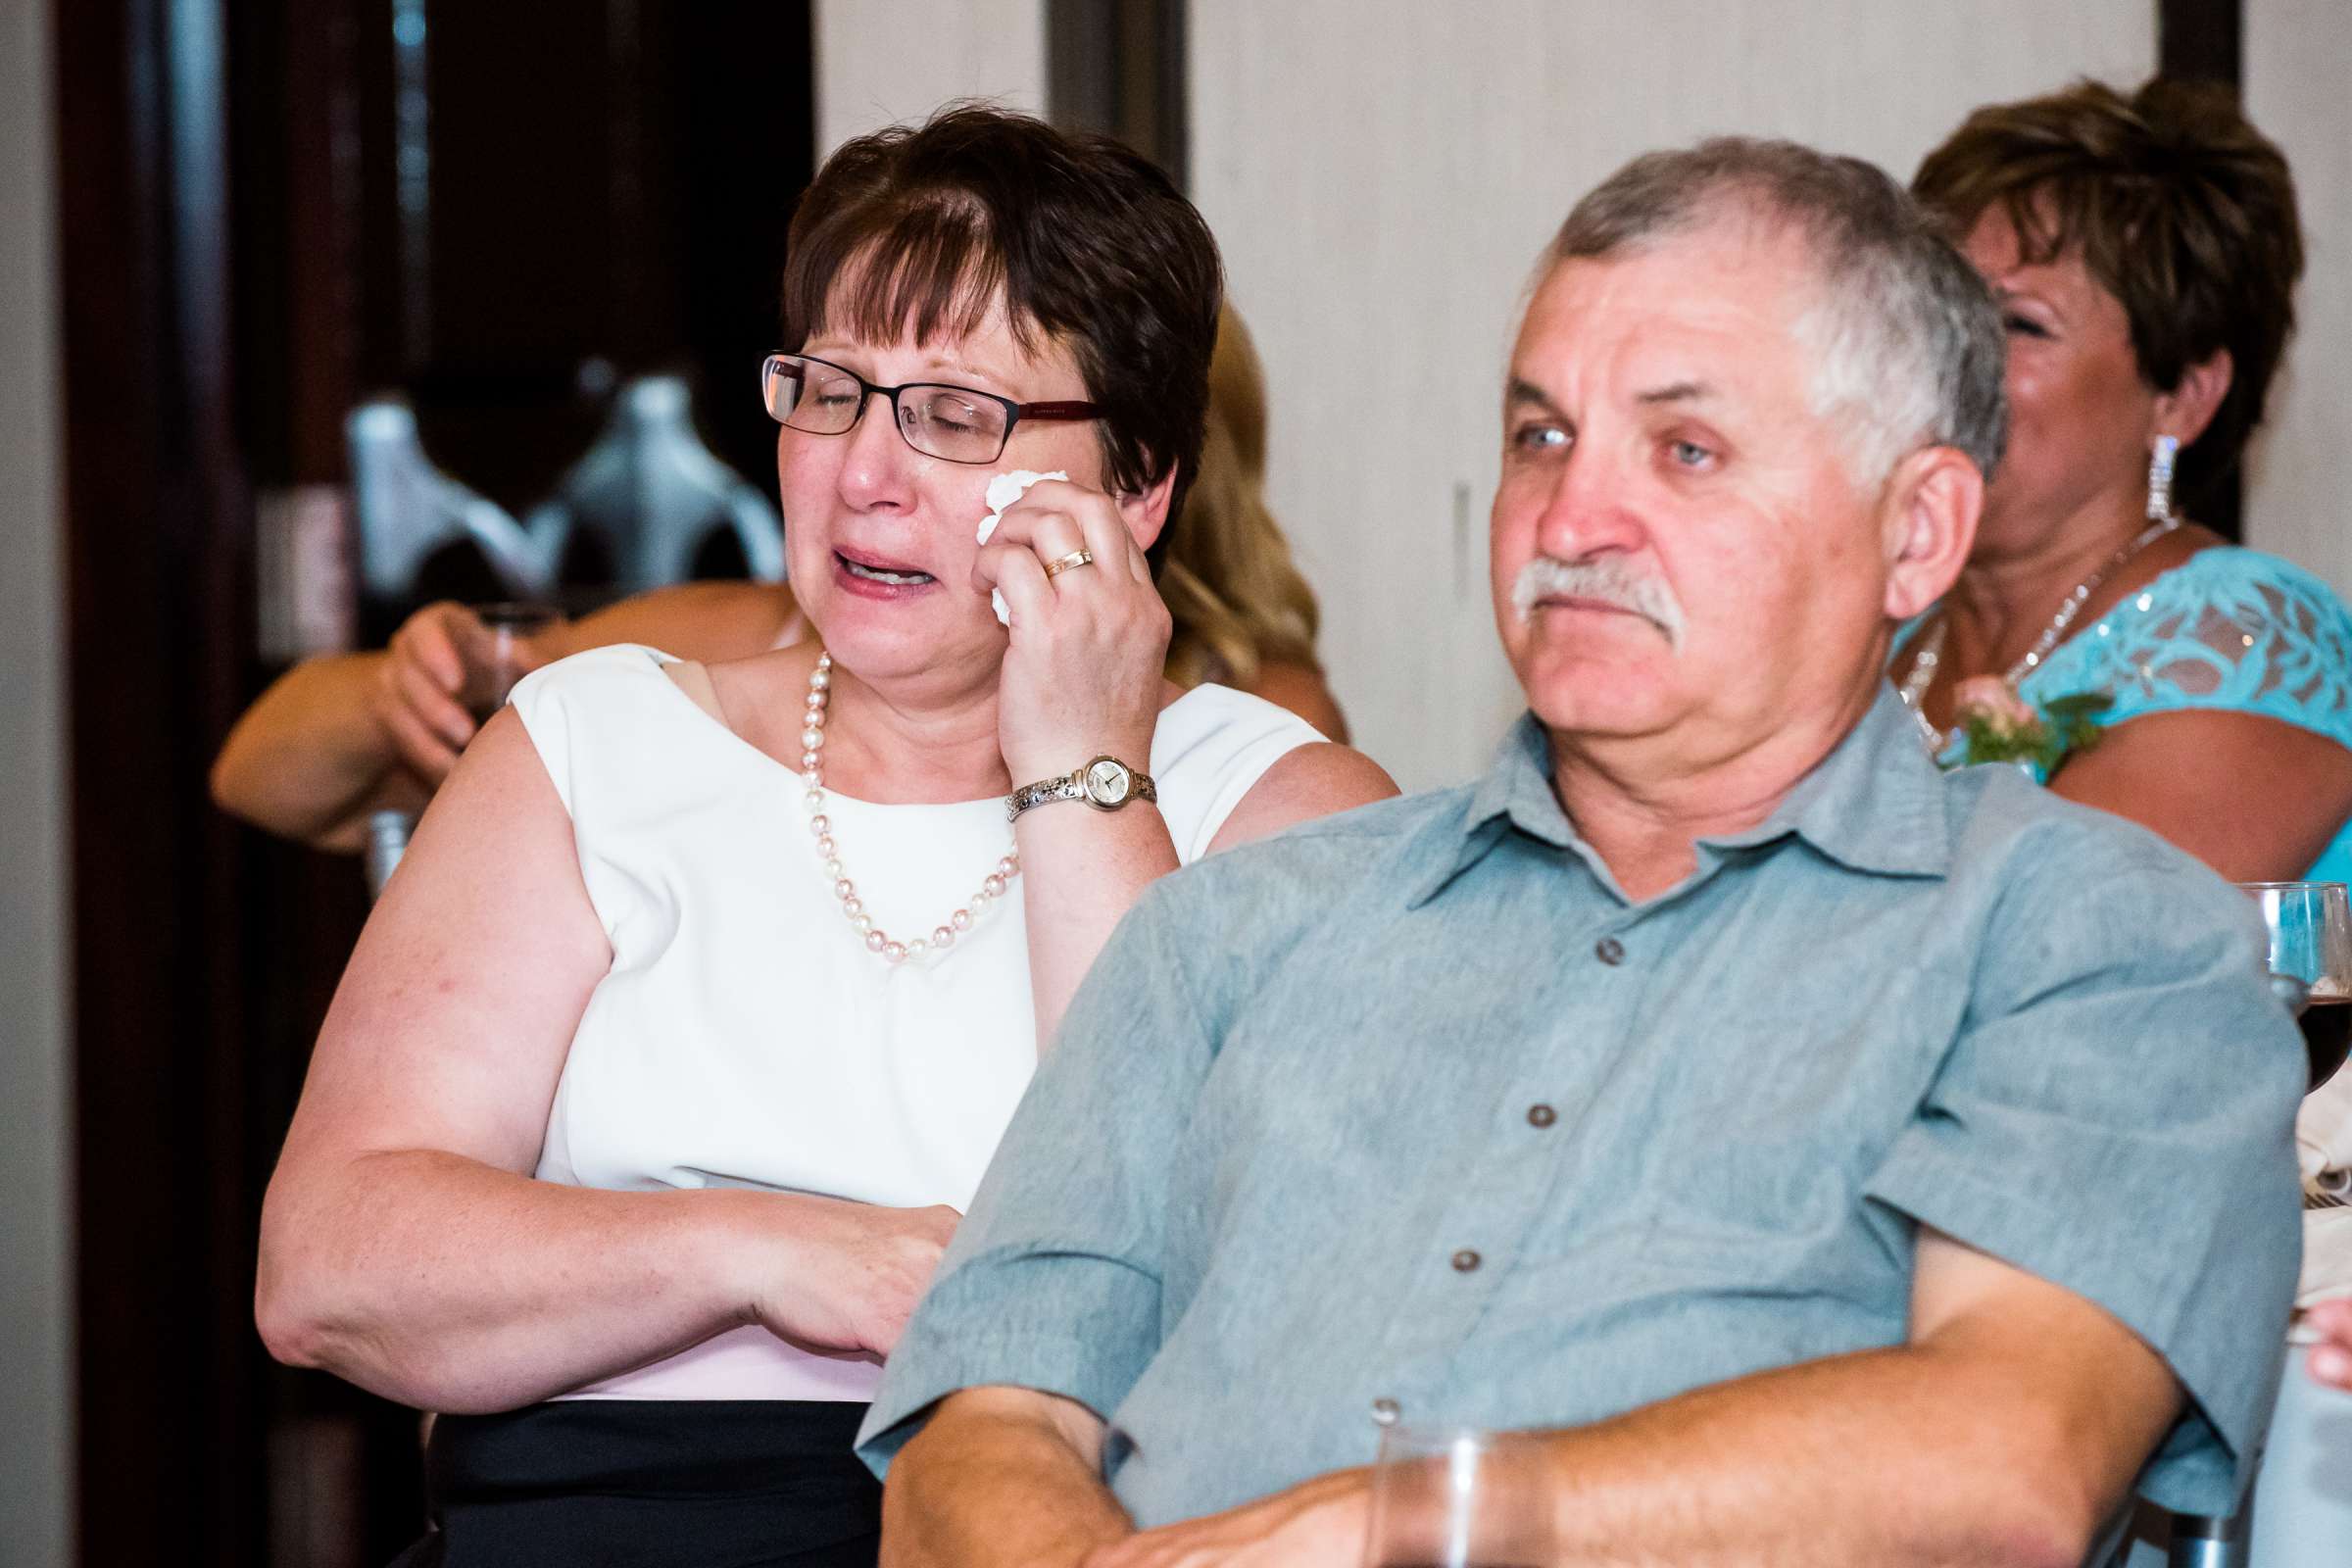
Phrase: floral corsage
x=1996 y=725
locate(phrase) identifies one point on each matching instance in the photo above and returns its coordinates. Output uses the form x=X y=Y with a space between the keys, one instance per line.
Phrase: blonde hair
x=1235 y=594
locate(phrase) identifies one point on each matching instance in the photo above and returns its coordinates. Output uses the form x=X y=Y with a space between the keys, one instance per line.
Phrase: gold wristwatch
x=1105 y=784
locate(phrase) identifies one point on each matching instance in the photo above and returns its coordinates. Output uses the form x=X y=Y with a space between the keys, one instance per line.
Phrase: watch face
x=1108 y=781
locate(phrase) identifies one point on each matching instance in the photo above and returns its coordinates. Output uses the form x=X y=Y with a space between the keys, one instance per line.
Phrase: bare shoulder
x=705 y=622
x=1307 y=782
x=1302 y=689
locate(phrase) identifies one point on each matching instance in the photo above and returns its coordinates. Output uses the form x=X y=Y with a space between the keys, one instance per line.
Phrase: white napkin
x=2323 y=1135
x=2324 y=1148
x=1002 y=491
x=2327 y=1258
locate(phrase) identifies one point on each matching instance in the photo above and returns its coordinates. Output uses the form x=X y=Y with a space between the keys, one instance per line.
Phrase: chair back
x=407 y=510
x=655 y=495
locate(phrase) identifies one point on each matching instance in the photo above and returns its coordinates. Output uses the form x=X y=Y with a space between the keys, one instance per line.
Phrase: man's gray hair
x=1905 y=339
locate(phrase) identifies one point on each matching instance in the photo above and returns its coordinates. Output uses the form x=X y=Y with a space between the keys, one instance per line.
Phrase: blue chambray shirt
x=1413 y=1104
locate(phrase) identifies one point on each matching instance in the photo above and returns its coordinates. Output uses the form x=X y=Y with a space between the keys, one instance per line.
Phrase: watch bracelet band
x=1072 y=786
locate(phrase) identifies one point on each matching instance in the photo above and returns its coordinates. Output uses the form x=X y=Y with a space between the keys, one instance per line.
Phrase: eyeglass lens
x=940 y=421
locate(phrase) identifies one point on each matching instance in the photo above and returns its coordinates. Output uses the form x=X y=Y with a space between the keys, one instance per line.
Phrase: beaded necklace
x=1931 y=643
x=877 y=941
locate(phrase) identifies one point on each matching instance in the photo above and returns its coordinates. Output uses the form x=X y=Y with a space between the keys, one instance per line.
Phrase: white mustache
x=1609 y=580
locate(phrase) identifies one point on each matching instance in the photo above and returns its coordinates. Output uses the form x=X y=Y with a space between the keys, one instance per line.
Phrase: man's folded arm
x=1000 y=1476
x=2006 y=1430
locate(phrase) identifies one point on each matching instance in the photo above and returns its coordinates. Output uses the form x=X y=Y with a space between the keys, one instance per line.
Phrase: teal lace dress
x=2230 y=629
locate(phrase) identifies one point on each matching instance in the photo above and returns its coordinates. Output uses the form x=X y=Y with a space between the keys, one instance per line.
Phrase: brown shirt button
x=1541 y=1115
x=1465 y=1261
x=1609 y=950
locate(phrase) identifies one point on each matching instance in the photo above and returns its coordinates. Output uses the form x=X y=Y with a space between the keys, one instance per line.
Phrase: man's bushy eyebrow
x=1677 y=392
x=1520 y=390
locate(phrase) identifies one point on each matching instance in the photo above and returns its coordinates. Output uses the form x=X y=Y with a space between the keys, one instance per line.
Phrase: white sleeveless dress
x=744 y=1037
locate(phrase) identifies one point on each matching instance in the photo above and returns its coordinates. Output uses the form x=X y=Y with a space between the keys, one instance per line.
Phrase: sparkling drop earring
x=2160 y=478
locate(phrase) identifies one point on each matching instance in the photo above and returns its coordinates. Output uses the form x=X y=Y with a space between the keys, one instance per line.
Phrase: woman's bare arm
x=405 y=1244
x=2257 y=798
x=312 y=758
x=339 y=737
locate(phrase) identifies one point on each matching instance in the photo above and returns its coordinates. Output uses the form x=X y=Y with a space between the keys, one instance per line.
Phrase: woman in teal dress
x=2144 y=250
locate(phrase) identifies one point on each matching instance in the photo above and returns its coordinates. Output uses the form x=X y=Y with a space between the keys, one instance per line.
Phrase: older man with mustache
x=1836 y=1161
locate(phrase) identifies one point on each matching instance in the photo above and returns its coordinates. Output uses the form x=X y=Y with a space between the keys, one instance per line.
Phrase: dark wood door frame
x=2204 y=40
x=154 y=496
x=222 y=184
x=1118 y=66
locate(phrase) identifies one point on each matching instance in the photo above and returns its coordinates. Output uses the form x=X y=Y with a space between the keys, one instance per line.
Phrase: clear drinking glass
x=2311 y=944
x=499 y=655
x=1459 y=1498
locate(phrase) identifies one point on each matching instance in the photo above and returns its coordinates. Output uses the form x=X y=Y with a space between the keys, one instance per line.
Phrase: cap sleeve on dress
x=1211 y=747
x=589 y=717
x=2232 y=630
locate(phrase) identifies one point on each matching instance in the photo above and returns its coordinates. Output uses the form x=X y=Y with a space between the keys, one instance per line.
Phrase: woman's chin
x=880 y=639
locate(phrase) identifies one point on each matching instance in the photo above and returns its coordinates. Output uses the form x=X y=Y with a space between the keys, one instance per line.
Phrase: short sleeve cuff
x=919 y=1376
x=2201 y=1466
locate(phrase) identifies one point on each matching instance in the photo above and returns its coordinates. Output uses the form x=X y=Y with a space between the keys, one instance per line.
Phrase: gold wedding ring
x=1075 y=559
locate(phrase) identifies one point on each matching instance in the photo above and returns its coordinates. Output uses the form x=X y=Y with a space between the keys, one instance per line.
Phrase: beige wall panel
x=1382 y=173
x=2297 y=54
x=35 y=1285
x=879 y=62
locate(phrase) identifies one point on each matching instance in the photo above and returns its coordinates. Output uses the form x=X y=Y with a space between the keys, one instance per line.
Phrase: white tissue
x=1002 y=491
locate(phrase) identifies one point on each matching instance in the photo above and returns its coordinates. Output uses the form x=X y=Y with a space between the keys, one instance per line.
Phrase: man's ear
x=2187 y=410
x=1145 y=511
x=1929 y=510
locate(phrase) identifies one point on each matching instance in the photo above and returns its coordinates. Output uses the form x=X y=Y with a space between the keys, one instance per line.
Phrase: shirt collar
x=1874 y=804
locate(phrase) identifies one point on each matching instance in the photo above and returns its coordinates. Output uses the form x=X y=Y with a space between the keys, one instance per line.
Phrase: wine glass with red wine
x=1459 y=1498
x=2310 y=944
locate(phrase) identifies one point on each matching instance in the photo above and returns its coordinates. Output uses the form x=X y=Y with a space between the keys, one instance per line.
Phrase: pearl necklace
x=877 y=941
x=1931 y=646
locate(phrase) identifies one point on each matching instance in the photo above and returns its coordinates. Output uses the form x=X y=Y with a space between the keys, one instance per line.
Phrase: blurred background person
x=1245 y=615
x=342 y=736
x=2144 y=248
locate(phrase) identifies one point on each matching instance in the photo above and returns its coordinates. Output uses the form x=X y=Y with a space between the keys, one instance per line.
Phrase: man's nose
x=1589 y=512
x=876 y=472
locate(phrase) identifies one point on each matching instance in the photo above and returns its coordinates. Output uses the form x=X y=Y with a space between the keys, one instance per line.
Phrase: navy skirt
x=650 y=1484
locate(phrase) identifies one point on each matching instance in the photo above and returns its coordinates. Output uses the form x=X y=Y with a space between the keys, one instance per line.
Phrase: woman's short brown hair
x=2178 y=208
x=1083 y=241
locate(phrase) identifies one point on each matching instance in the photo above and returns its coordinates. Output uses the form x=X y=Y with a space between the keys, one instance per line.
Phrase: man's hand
x=1317 y=1524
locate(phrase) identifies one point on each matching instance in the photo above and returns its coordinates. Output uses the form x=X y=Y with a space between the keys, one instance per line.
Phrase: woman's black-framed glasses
x=955 y=423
